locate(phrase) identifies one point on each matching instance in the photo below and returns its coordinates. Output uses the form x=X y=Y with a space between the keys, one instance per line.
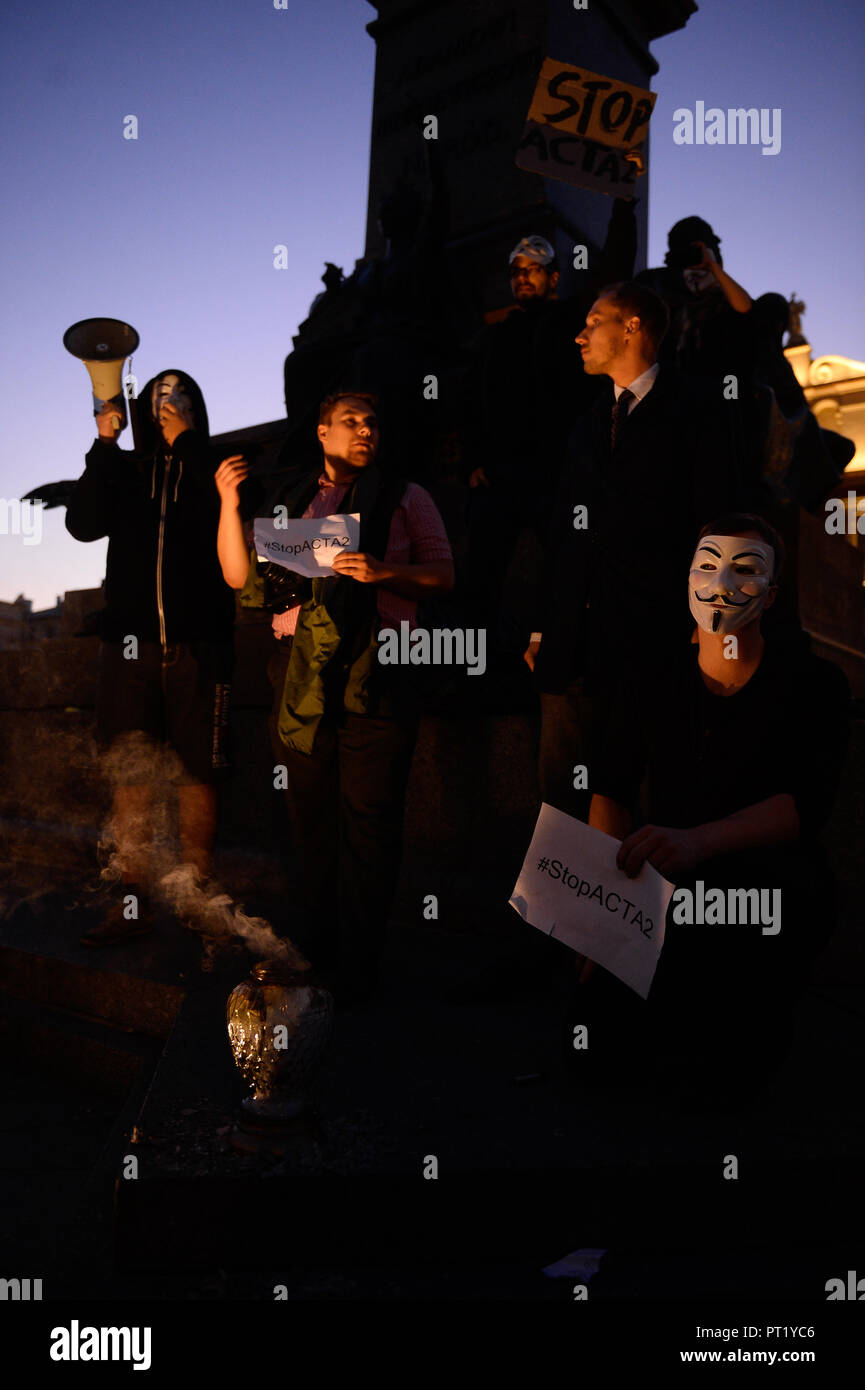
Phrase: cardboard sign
x=569 y=887
x=557 y=155
x=306 y=545
x=603 y=109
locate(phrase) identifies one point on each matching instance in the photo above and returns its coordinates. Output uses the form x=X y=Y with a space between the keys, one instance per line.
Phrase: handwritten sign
x=572 y=159
x=569 y=887
x=582 y=127
x=584 y=103
x=307 y=545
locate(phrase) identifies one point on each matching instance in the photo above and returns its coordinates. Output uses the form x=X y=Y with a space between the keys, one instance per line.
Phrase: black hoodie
x=159 y=509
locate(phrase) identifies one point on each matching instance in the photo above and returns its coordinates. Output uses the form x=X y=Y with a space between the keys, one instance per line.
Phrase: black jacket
x=159 y=509
x=618 y=590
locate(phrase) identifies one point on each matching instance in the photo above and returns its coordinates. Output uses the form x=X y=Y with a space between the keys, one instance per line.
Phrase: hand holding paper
x=570 y=887
x=366 y=569
x=306 y=545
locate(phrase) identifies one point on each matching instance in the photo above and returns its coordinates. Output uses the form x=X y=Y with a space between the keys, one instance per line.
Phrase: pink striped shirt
x=417 y=537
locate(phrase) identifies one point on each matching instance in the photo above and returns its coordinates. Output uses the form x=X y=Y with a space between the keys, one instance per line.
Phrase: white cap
x=536 y=248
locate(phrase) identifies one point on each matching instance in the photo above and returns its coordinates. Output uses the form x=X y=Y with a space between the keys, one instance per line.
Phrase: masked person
x=740 y=744
x=166 y=655
x=723 y=335
x=344 y=725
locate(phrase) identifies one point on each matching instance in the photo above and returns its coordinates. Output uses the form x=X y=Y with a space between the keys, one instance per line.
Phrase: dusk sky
x=254 y=128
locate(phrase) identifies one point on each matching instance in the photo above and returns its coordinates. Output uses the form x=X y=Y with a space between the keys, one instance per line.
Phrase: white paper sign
x=570 y=888
x=307 y=545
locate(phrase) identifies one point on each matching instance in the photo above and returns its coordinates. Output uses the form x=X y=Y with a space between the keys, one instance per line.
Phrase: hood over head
x=149 y=433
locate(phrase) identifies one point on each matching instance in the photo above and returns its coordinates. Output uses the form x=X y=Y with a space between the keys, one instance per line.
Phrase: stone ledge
x=135 y=988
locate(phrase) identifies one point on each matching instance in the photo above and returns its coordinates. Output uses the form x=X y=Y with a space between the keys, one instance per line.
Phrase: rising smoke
x=140 y=842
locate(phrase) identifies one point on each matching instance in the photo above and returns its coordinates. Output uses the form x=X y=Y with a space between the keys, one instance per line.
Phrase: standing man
x=167 y=655
x=654 y=458
x=344 y=726
x=527 y=387
x=524 y=370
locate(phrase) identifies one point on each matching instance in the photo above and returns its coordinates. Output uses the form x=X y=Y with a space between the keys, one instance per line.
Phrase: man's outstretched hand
x=354 y=564
x=228 y=477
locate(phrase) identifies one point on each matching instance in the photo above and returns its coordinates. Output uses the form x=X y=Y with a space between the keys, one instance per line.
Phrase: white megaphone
x=103 y=346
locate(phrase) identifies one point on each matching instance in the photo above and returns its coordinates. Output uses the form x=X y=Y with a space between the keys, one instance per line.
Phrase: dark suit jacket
x=619 y=588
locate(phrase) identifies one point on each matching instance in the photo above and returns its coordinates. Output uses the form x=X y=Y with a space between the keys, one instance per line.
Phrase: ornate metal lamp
x=279 y=1024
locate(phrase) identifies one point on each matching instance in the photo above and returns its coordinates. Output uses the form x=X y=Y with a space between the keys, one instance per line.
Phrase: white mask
x=169 y=390
x=729 y=581
x=698 y=278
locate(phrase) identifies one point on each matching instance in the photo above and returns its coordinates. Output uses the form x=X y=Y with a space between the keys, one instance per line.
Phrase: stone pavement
x=530 y=1166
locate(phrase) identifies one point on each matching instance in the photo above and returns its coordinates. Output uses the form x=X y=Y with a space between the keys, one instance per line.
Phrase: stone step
x=136 y=987
x=526 y=1164
x=62 y=1043
x=529 y=1216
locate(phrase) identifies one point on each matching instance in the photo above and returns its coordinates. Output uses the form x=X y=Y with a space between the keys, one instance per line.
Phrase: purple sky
x=254 y=130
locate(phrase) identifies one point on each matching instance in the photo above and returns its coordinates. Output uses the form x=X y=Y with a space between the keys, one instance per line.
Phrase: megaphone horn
x=103 y=346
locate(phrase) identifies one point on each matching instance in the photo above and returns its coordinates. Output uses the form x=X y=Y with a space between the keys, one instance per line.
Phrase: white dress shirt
x=640 y=386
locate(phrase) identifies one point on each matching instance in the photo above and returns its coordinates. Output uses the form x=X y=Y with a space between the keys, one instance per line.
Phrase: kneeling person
x=741 y=747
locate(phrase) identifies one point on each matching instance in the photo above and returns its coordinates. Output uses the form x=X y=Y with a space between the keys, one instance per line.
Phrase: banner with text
x=544 y=150
x=569 y=887
x=307 y=545
x=586 y=129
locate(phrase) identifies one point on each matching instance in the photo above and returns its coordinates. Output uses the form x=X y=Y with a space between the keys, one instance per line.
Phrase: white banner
x=306 y=545
x=569 y=888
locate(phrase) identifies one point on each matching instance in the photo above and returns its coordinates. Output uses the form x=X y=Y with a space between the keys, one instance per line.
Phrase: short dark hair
x=649 y=308
x=737 y=523
x=325 y=410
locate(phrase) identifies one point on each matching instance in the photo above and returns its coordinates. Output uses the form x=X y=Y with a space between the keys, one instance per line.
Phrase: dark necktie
x=620 y=413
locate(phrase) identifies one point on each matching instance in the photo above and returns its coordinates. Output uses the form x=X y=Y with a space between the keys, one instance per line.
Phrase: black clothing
x=567 y=723
x=707 y=337
x=721 y=1001
x=621 y=410
x=160 y=510
x=176 y=695
x=789 y=458
x=345 y=802
x=708 y=755
x=618 y=586
x=529 y=387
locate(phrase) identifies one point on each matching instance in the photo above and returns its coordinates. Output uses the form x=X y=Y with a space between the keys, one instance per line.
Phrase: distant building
x=71 y=616
x=835 y=390
x=14 y=619
x=45 y=623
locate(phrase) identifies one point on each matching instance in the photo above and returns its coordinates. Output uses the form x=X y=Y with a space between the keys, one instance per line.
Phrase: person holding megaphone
x=166 y=655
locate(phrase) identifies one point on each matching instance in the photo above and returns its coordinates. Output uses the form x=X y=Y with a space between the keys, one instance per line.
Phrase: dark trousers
x=345 y=804
x=716 y=1020
x=495 y=525
x=566 y=730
